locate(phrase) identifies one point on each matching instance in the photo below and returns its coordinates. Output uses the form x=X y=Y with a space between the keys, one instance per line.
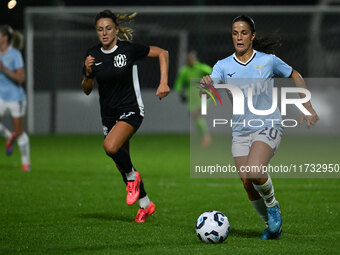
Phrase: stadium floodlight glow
x=12 y=4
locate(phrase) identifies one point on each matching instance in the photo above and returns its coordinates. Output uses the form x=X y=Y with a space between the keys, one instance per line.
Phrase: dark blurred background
x=15 y=16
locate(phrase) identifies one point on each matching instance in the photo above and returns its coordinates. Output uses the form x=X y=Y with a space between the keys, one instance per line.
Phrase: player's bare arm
x=87 y=83
x=310 y=119
x=163 y=89
x=16 y=76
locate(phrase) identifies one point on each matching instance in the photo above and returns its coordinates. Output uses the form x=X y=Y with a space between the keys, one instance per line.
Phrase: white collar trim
x=109 y=51
x=244 y=63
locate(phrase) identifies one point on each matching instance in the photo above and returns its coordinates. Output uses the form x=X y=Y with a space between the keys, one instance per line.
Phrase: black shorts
x=131 y=117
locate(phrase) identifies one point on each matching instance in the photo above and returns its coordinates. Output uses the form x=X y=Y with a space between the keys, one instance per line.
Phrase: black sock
x=142 y=192
x=123 y=160
x=124 y=164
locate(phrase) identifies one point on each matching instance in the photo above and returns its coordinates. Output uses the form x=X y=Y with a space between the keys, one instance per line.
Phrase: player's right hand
x=207 y=80
x=89 y=62
x=310 y=119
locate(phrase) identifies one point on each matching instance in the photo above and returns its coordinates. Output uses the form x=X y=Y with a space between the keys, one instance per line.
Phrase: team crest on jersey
x=119 y=60
x=259 y=68
x=105 y=130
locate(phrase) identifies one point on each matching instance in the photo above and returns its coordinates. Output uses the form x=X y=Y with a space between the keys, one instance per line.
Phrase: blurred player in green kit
x=193 y=69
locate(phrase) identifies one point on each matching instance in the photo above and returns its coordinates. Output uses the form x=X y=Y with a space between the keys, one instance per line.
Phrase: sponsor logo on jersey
x=126 y=115
x=97 y=64
x=231 y=74
x=119 y=60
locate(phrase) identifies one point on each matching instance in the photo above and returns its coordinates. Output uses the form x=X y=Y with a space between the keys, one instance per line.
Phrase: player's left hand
x=310 y=119
x=163 y=90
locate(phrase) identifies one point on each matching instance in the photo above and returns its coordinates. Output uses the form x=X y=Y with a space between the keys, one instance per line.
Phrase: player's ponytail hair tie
x=125 y=33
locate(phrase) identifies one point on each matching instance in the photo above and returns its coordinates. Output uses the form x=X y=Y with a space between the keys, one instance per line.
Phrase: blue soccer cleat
x=274 y=218
x=267 y=235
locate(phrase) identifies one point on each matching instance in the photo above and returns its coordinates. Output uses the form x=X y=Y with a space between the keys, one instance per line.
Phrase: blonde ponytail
x=14 y=38
x=18 y=40
x=125 y=33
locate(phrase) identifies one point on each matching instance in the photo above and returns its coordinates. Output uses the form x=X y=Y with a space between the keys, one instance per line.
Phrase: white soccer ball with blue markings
x=212 y=227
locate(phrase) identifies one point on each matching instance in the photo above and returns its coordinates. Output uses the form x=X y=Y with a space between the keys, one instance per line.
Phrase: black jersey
x=116 y=74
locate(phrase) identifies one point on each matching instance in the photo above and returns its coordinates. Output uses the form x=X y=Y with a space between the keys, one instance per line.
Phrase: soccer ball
x=212 y=227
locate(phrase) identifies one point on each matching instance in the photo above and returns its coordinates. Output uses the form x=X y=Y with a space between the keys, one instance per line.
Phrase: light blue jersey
x=9 y=90
x=257 y=73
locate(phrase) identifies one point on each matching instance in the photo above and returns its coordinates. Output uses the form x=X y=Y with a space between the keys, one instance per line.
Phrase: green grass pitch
x=73 y=201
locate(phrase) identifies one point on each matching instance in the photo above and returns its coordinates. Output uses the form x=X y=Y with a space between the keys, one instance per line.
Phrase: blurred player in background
x=112 y=63
x=254 y=146
x=193 y=69
x=12 y=94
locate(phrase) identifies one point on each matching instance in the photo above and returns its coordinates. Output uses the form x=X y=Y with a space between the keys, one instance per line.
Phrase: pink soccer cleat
x=142 y=214
x=26 y=167
x=10 y=145
x=132 y=188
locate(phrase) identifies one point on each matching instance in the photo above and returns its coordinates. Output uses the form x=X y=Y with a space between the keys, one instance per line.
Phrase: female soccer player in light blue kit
x=254 y=146
x=12 y=95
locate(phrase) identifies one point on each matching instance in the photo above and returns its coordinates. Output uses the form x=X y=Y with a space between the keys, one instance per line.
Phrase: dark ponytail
x=266 y=44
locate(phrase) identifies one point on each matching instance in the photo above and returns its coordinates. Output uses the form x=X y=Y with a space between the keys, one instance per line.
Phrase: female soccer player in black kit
x=112 y=64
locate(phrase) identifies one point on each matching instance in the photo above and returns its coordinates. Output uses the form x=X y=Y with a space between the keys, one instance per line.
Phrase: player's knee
x=18 y=130
x=110 y=149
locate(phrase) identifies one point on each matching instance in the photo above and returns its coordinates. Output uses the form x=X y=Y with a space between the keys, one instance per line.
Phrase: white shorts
x=15 y=109
x=241 y=144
